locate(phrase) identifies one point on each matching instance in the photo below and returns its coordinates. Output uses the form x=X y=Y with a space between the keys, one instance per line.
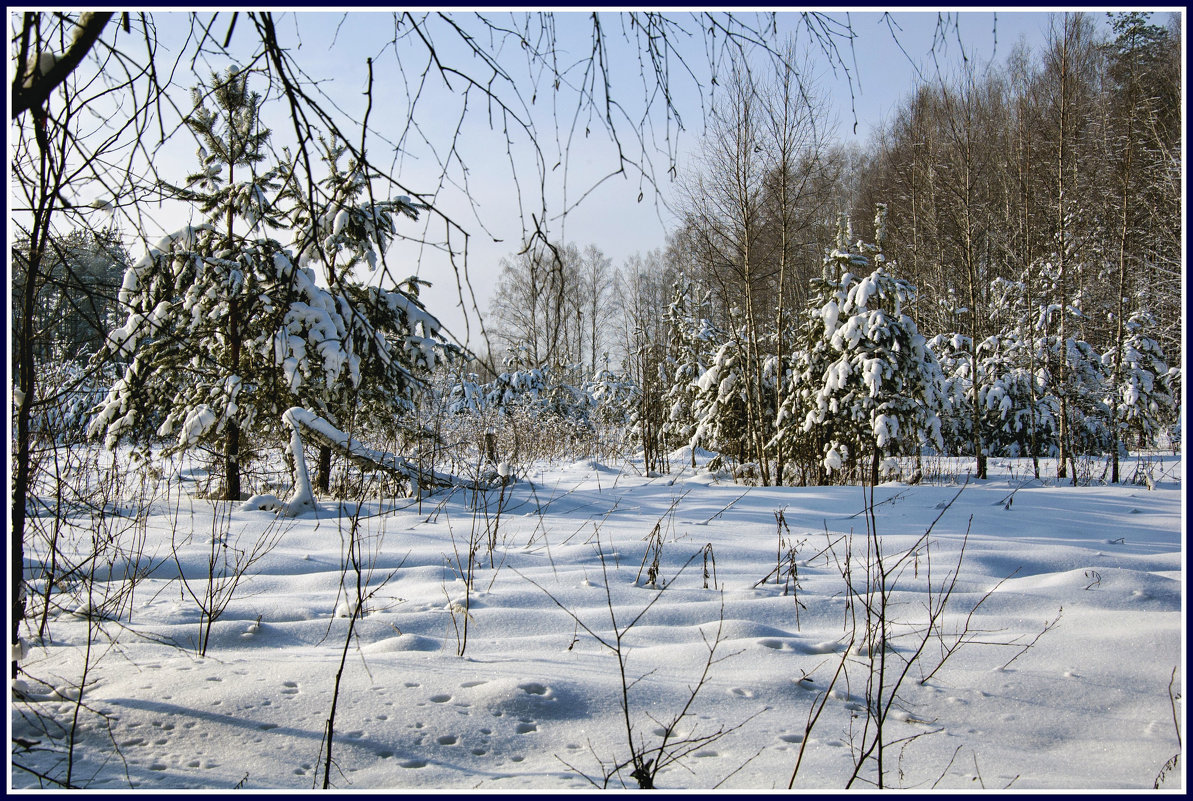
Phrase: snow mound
x=684 y=454
x=403 y=642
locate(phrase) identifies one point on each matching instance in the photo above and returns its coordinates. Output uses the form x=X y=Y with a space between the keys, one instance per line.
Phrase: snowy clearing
x=535 y=699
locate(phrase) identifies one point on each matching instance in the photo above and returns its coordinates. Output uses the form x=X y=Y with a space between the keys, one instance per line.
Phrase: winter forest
x=869 y=476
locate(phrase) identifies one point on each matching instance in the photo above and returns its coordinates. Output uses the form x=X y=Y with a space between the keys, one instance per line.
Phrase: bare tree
x=799 y=191
x=725 y=201
x=599 y=282
x=755 y=210
x=1066 y=70
x=535 y=306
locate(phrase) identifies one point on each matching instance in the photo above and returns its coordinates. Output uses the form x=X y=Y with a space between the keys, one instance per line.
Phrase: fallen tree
x=324 y=433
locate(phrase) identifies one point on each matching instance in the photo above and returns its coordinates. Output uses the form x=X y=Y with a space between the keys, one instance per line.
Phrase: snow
x=829 y=314
x=196 y=424
x=533 y=702
x=340 y=221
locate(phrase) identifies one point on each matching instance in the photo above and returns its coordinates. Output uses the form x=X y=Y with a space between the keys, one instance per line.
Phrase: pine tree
x=1015 y=409
x=1005 y=406
x=864 y=383
x=231 y=136
x=719 y=406
x=341 y=226
x=613 y=397
x=956 y=420
x=693 y=340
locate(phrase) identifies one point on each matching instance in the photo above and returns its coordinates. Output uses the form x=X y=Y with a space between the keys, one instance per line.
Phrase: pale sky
x=334 y=47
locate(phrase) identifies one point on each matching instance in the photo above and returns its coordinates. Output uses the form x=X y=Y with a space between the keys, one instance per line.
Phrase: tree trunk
x=491 y=447
x=1119 y=331
x=1062 y=369
x=232 y=434
x=323 y=479
x=20 y=488
x=50 y=182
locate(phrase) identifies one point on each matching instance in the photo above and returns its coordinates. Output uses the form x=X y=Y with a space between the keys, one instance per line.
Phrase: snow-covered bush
x=1143 y=402
x=533 y=413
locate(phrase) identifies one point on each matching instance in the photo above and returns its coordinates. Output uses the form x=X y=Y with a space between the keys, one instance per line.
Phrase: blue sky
x=333 y=47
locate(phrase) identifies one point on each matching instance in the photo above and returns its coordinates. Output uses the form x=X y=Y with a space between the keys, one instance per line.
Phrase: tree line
x=1031 y=208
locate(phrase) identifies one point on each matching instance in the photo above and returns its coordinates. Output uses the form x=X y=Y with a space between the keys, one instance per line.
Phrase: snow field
x=534 y=702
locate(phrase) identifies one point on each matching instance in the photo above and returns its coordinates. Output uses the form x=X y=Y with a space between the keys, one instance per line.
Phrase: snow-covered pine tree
x=1141 y=403
x=810 y=357
x=693 y=339
x=199 y=344
x=956 y=422
x=1006 y=411
x=194 y=299
x=719 y=405
x=612 y=397
x=1089 y=412
x=1016 y=411
x=340 y=226
x=864 y=383
x=392 y=342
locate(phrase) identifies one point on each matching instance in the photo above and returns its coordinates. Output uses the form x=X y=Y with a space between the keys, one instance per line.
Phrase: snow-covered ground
x=1091 y=578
